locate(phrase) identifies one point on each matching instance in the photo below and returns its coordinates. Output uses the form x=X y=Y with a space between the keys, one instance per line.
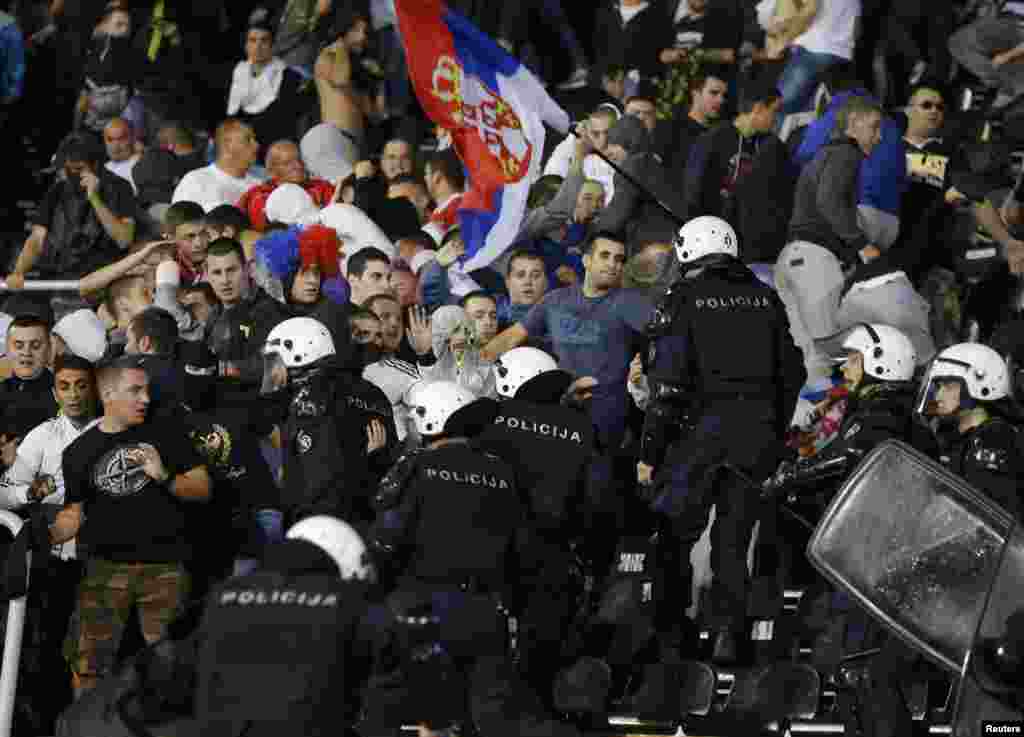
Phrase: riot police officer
x=422 y=536
x=967 y=388
x=339 y=431
x=879 y=369
x=723 y=367
x=272 y=643
x=446 y=532
x=552 y=448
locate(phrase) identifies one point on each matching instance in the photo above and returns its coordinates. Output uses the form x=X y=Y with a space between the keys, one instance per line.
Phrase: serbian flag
x=495 y=110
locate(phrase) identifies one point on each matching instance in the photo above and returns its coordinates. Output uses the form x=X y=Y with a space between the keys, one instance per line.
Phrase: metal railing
x=44 y=285
x=12 y=638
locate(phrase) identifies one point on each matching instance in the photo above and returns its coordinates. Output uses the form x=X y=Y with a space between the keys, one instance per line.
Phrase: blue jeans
x=268 y=529
x=800 y=79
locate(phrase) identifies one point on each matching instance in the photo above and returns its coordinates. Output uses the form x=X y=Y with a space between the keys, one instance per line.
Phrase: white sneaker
x=577 y=80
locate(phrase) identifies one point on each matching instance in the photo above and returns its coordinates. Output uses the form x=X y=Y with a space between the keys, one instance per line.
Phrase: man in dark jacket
x=740 y=171
x=826 y=240
x=624 y=30
x=629 y=146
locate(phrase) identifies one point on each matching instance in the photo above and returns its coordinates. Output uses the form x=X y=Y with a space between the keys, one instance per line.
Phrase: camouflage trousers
x=105 y=598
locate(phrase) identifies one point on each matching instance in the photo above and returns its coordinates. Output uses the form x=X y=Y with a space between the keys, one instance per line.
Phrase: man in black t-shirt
x=85 y=220
x=939 y=180
x=134 y=477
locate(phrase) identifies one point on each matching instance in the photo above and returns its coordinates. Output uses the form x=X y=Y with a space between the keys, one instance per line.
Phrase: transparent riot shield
x=992 y=686
x=917 y=547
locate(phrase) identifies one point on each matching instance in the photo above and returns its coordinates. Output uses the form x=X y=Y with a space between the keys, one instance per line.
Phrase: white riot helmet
x=519 y=365
x=705 y=236
x=434 y=403
x=888 y=354
x=341 y=543
x=295 y=344
x=981 y=371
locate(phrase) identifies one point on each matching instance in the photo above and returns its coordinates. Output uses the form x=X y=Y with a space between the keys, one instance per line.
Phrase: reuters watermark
x=1014 y=727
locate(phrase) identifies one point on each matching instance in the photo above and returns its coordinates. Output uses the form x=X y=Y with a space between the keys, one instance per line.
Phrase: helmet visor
x=932 y=399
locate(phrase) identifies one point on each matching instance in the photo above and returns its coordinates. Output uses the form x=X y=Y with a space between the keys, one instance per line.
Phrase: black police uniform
x=446 y=532
x=448 y=518
x=990 y=457
x=281 y=653
x=724 y=366
x=326 y=468
x=876 y=412
x=552 y=449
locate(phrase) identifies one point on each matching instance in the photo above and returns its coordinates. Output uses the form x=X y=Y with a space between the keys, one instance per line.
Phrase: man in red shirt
x=285 y=165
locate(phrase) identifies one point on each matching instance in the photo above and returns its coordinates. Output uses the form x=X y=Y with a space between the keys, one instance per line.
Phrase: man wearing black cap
x=629 y=146
x=84 y=222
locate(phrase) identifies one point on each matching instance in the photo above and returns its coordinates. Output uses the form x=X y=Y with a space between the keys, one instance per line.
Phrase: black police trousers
x=735 y=445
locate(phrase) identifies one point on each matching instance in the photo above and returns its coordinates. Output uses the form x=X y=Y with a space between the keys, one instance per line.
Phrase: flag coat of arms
x=494 y=109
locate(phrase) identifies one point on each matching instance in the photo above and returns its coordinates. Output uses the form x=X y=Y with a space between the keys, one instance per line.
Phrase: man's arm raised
x=510 y=338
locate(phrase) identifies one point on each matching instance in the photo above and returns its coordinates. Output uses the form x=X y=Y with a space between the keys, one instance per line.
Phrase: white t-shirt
x=833 y=30
x=211 y=186
x=41 y=453
x=123 y=169
x=593 y=167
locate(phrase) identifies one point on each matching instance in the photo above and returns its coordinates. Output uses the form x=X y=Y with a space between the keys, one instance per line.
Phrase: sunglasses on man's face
x=932 y=105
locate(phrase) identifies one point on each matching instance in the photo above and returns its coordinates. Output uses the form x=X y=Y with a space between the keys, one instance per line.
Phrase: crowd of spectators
x=212 y=169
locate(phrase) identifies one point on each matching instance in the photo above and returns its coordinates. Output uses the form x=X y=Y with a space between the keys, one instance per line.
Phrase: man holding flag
x=495 y=111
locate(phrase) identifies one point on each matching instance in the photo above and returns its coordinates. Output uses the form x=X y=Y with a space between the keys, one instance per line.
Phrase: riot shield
x=992 y=686
x=917 y=547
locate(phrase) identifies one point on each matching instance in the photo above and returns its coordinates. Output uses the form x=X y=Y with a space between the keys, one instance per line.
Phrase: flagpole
x=629 y=178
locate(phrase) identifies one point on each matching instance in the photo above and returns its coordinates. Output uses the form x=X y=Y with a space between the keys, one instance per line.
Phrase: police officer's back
x=448 y=515
x=282 y=650
x=720 y=339
x=724 y=367
x=550 y=445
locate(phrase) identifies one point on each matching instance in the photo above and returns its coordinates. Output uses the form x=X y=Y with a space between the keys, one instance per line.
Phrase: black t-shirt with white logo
x=128 y=516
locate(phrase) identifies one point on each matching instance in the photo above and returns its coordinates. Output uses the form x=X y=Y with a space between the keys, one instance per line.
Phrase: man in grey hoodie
x=629 y=147
x=826 y=241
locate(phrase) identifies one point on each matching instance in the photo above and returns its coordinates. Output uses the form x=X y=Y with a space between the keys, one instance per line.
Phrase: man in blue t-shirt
x=594 y=330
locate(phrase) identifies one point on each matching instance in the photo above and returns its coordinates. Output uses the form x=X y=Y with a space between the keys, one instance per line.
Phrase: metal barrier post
x=12 y=639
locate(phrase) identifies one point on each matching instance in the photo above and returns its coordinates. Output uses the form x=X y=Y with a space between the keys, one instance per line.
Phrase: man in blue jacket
x=883 y=174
